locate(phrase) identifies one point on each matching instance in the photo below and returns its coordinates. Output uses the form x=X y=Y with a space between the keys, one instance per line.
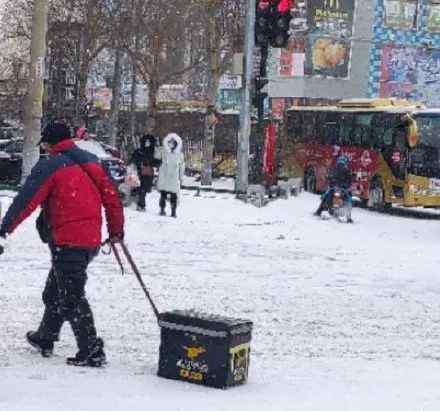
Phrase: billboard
x=328 y=47
x=410 y=72
x=320 y=44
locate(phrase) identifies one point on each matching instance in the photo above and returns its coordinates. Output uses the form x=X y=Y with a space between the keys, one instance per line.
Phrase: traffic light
x=272 y=22
x=281 y=24
x=263 y=22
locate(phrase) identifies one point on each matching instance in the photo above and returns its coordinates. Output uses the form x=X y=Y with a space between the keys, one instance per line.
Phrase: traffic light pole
x=260 y=96
x=242 y=173
x=260 y=101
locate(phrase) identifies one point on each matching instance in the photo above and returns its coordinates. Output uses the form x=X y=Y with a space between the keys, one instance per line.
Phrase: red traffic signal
x=272 y=22
x=284 y=6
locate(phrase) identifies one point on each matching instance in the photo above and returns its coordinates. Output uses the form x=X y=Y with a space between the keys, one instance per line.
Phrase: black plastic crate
x=204 y=349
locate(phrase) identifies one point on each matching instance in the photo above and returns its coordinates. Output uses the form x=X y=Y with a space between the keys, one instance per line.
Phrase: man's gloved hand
x=2 y=243
x=117 y=238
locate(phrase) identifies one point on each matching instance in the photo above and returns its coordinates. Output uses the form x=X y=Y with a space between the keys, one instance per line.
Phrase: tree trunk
x=81 y=96
x=137 y=12
x=133 y=103
x=213 y=83
x=116 y=98
x=208 y=147
x=150 y=126
x=34 y=99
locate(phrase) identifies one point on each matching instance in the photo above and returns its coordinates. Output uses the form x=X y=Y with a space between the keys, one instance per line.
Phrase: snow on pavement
x=346 y=317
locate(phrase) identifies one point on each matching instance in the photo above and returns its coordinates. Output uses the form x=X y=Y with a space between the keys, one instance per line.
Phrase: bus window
x=382 y=130
x=294 y=132
x=329 y=128
x=425 y=156
x=309 y=126
x=361 y=135
x=345 y=129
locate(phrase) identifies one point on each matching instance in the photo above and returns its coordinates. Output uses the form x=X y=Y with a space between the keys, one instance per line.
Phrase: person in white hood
x=171 y=172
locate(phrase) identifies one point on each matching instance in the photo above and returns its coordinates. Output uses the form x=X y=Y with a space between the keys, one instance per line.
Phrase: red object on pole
x=269 y=152
x=284 y=6
x=263 y=4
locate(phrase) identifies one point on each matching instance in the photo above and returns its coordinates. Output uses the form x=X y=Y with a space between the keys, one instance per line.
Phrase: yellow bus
x=393 y=147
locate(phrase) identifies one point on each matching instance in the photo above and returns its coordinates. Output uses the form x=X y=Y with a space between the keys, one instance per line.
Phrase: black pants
x=65 y=299
x=163 y=199
x=145 y=187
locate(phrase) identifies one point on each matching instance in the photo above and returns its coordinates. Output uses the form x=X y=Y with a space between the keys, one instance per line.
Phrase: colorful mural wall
x=405 y=53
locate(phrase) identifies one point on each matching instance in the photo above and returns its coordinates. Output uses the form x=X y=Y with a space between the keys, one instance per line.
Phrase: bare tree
x=224 y=21
x=159 y=53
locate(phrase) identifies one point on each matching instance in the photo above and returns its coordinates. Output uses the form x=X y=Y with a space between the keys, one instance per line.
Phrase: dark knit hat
x=54 y=132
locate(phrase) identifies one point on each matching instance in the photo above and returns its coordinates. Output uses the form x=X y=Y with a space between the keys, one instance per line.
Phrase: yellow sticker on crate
x=193 y=352
x=191 y=375
x=239 y=362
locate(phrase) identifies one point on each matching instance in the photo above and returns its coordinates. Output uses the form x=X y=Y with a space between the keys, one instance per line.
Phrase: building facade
x=405 y=51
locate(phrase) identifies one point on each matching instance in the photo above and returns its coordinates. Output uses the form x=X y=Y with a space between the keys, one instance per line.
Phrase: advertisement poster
x=292 y=58
x=434 y=17
x=328 y=47
x=410 y=73
x=400 y=13
x=278 y=107
x=229 y=100
x=428 y=78
x=398 y=74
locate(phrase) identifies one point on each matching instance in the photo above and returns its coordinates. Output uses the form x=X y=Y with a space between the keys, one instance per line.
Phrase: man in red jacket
x=71 y=187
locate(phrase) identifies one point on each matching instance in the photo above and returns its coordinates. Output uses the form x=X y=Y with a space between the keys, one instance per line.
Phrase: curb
x=209 y=189
x=8 y=187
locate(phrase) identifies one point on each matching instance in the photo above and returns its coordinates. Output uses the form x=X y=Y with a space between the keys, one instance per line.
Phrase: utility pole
x=34 y=98
x=242 y=172
x=116 y=96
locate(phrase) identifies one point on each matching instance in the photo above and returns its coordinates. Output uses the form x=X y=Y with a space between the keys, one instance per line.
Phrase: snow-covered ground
x=347 y=317
x=223 y=183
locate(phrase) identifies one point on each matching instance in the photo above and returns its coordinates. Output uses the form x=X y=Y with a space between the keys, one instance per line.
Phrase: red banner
x=269 y=151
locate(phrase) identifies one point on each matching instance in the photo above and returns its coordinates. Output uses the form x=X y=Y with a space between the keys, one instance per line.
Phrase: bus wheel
x=376 y=196
x=310 y=181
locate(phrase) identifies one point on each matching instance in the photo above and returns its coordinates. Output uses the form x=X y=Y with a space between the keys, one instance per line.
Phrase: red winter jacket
x=71 y=186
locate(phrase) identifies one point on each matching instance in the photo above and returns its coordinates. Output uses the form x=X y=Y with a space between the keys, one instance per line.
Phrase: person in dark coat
x=145 y=161
x=71 y=187
x=340 y=176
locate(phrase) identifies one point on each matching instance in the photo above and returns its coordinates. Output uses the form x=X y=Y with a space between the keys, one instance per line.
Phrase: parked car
x=114 y=164
x=11 y=159
x=9 y=133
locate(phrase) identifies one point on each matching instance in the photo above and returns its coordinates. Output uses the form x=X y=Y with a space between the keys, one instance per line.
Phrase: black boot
x=90 y=358
x=173 y=212
x=45 y=347
x=319 y=210
x=162 y=211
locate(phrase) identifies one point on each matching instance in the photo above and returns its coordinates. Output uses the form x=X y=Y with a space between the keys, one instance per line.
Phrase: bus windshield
x=424 y=158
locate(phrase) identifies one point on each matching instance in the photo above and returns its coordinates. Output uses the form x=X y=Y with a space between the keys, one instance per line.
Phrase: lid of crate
x=204 y=323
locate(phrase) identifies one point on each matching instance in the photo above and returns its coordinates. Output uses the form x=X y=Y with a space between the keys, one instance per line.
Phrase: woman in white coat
x=171 y=172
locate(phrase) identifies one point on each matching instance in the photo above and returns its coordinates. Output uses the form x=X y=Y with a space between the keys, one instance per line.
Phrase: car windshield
x=429 y=130
x=425 y=158
x=8 y=133
x=93 y=147
x=14 y=147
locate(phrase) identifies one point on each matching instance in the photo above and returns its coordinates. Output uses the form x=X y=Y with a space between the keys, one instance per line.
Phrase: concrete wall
x=357 y=83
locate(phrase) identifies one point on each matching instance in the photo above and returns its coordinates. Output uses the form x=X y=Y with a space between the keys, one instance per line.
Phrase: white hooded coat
x=172 y=168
